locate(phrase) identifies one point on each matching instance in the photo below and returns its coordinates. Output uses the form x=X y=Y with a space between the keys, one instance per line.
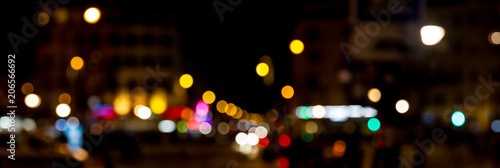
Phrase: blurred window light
x=494 y=38
x=63 y=110
x=32 y=100
x=296 y=46
x=208 y=97
x=337 y=113
x=458 y=118
x=287 y=92
x=92 y=15
x=374 y=95
x=77 y=63
x=402 y=106
x=262 y=69
x=431 y=34
x=186 y=81
x=373 y=124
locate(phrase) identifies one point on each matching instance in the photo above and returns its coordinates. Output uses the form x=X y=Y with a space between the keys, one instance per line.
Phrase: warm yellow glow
x=262 y=69
x=239 y=113
x=318 y=111
x=431 y=34
x=92 y=15
x=287 y=92
x=62 y=15
x=27 y=88
x=121 y=104
x=208 y=97
x=296 y=46
x=495 y=38
x=374 y=95
x=64 y=98
x=43 y=18
x=187 y=113
x=80 y=154
x=402 y=106
x=32 y=100
x=77 y=63
x=186 y=81
x=221 y=106
x=63 y=110
x=231 y=109
x=158 y=101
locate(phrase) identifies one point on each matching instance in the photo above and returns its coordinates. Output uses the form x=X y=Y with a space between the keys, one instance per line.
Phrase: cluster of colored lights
x=335 y=113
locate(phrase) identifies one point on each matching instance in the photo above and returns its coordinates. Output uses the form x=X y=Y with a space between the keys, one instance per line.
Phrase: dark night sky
x=223 y=53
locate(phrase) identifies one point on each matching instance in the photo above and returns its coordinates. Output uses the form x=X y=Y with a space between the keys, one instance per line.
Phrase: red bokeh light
x=264 y=142
x=284 y=140
x=283 y=162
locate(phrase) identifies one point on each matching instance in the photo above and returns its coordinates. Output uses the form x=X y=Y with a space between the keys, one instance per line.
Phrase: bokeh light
x=92 y=15
x=431 y=34
x=296 y=46
x=186 y=81
x=495 y=126
x=311 y=127
x=374 y=95
x=27 y=88
x=241 y=138
x=223 y=128
x=221 y=106
x=318 y=111
x=458 y=118
x=43 y=18
x=287 y=92
x=32 y=100
x=284 y=140
x=208 y=97
x=182 y=126
x=261 y=131
x=77 y=63
x=252 y=139
x=402 y=106
x=373 y=124
x=144 y=112
x=122 y=104
x=306 y=137
x=29 y=125
x=494 y=38
x=63 y=110
x=339 y=148
x=64 y=98
x=158 y=101
x=61 y=124
x=283 y=162
x=262 y=69
x=166 y=126
x=205 y=128
x=263 y=142
x=201 y=108
x=73 y=122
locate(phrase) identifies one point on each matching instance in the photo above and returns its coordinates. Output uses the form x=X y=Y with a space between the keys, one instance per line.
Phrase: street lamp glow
x=92 y=15
x=431 y=34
